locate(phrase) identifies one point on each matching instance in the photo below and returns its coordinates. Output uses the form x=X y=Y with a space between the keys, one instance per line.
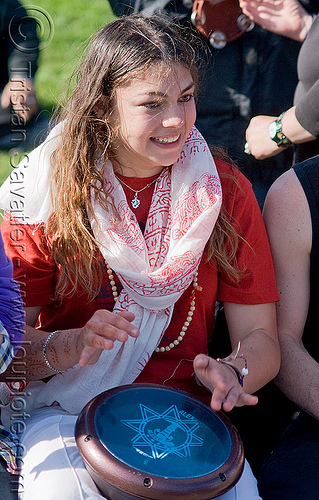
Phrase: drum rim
x=124 y=478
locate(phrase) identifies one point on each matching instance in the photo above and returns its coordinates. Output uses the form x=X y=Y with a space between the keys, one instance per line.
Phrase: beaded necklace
x=186 y=323
x=189 y=317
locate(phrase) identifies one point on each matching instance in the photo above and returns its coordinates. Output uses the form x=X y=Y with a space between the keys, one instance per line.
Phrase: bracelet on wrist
x=227 y=361
x=236 y=370
x=44 y=351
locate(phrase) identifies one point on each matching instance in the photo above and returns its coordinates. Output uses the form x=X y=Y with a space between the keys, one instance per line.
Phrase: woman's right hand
x=67 y=348
x=101 y=331
x=284 y=17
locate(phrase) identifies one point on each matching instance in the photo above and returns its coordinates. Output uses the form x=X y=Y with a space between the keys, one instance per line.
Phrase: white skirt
x=53 y=469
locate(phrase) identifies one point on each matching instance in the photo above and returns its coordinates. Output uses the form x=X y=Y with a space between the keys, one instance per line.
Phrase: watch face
x=272 y=130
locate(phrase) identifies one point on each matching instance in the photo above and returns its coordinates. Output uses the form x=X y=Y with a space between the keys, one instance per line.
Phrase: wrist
x=276 y=133
x=47 y=352
x=233 y=357
x=59 y=352
x=234 y=369
x=307 y=22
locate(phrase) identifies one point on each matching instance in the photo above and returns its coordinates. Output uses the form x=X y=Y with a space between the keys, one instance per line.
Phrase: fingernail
x=122 y=337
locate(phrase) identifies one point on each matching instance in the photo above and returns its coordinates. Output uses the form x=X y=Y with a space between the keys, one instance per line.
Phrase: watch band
x=276 y=133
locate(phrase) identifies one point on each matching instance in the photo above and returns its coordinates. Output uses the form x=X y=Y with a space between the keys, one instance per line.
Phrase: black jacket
x=19 y=43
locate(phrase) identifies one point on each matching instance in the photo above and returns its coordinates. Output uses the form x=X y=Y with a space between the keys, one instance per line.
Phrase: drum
x=144 y=441
x=220 y=21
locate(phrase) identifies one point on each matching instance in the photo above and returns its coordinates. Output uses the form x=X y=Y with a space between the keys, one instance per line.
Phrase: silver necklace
x=136 y=201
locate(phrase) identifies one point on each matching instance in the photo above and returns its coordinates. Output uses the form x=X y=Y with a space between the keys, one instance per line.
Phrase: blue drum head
x=163 y=432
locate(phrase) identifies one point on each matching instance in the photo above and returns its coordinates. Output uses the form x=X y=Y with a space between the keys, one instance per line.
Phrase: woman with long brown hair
x=129 y=232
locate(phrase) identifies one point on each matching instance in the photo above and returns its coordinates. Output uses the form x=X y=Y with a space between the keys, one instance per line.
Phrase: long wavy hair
x=120 y=51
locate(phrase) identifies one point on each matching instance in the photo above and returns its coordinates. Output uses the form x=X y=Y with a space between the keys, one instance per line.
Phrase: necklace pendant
x=135 y=202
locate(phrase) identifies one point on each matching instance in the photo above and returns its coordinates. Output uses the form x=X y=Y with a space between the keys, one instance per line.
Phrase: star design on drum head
x=161 y=434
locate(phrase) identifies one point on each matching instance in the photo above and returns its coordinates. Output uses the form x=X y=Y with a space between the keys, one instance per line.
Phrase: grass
x=73 y=23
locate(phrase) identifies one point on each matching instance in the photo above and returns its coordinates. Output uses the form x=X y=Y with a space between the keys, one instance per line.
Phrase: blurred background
x=63 y=28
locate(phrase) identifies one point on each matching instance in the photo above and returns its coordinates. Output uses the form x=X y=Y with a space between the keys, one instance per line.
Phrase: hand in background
x=259 y=143
x=261 y=146
x=284 y=17
x=21 y=95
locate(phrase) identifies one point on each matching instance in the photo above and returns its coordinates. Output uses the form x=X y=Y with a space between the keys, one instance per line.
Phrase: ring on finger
x=246 y=149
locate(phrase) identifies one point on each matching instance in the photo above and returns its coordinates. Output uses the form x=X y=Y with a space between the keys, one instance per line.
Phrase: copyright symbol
x=20 y=33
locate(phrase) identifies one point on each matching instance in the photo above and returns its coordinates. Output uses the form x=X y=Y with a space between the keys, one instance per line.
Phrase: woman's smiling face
x=153 y=115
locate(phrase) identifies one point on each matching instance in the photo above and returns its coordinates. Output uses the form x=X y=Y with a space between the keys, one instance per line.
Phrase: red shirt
x=37 y=272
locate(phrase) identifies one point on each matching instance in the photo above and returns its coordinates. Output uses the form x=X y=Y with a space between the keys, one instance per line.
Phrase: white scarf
x=154 y=268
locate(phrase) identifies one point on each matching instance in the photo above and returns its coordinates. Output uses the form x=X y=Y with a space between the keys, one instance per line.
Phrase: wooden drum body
x=144 y=441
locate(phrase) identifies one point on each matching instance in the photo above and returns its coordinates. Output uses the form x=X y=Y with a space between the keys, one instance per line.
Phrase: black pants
x=5 y=125
x=8 y=483
x=291 y=471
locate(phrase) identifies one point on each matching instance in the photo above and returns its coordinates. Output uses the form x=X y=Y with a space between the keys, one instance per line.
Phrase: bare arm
x=255 y=327
x=284 y=17
x=288 y=222
x=80 y=345
x=257 y=136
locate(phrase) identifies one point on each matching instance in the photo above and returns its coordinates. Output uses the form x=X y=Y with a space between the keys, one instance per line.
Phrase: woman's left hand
x=223 y=383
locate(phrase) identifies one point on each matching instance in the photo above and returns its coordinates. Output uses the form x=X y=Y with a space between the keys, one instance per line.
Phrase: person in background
x=133 y=231
x=291 y=215
x=11 y=330
x=19 y=50
x=253 y=74
x=296 y=126
x=271 y=414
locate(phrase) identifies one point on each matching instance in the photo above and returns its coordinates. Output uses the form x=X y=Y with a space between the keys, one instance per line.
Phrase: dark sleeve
x=122 y=7
x=311 y=6
x=11 y=306
x=307 y=110
x=307 y=91
x=19 y=40
x=177 y=9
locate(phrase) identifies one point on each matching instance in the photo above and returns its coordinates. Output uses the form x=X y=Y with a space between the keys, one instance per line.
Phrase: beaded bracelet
x=227 y=361
x=44 y=351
